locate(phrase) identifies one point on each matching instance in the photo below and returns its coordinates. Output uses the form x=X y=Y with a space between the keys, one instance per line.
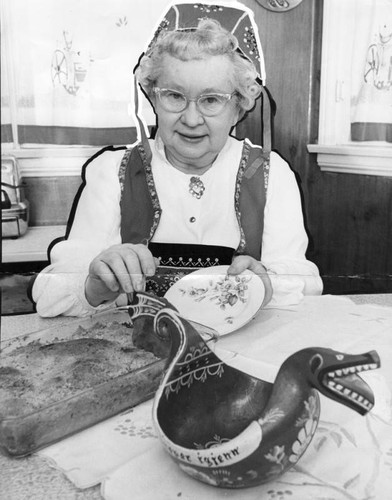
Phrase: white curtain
x=371 y=103
x=69 y=63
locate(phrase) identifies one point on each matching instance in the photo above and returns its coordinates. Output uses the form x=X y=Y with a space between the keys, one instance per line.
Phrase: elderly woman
x=192 y=196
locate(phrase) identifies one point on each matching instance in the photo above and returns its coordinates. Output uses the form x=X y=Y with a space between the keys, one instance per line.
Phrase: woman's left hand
x=242 y=262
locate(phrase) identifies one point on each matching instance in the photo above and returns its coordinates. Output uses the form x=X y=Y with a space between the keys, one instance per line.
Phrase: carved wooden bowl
x=229 y=429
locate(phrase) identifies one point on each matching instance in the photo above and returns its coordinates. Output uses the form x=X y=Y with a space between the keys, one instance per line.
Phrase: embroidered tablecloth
x=350 y=456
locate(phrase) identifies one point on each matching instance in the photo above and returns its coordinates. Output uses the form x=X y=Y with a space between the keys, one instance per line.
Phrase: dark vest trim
x=252 y=195
x=140 y=209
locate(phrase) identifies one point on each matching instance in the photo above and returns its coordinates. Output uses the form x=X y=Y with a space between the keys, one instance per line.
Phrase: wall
x=50 y=199
x=348 y=217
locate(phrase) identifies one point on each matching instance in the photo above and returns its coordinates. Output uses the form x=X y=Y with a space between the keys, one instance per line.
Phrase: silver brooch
x=196 y=187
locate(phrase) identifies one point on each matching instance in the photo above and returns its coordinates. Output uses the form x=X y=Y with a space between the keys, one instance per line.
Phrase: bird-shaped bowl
x=229 y=429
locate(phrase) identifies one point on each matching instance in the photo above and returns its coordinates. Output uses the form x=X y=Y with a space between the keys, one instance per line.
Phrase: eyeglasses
x=208 y=104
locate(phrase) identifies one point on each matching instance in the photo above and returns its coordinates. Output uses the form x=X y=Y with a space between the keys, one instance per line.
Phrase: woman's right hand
x=119 y=269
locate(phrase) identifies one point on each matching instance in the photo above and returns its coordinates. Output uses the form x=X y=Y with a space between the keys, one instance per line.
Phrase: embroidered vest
x=140 y=210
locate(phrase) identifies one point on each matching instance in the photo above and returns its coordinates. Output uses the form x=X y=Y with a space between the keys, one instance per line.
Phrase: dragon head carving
x=336 y=375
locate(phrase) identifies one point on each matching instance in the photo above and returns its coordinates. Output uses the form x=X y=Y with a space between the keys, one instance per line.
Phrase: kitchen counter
x=32 y=246
x=32 y=477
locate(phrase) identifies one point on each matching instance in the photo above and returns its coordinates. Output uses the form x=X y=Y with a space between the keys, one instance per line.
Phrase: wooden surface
x=352 y=231
x=348 y=217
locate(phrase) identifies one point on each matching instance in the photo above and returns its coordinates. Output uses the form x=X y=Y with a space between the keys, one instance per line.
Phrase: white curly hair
x=208 y=39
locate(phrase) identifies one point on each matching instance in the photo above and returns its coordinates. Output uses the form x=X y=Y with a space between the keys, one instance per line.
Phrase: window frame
x=39 y=159
x=46 y=161
x=335 y=152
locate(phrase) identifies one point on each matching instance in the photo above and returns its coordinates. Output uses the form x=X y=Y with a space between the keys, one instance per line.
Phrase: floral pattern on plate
x=227 y=291
x=220 y=301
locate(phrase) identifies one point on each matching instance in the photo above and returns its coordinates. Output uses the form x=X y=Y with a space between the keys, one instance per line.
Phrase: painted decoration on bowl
x=229 y=429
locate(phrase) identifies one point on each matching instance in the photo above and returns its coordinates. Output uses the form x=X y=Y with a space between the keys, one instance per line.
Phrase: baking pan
x=28 y=428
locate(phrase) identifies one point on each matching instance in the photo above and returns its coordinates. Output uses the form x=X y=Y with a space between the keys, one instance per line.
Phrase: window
x=355 y=128
x=66 y=78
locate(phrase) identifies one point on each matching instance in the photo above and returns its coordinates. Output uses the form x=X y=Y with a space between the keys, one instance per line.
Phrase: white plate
x=221 y=302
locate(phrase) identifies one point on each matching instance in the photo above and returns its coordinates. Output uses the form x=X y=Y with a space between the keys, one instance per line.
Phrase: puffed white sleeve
x=285 y=240
x=59 y=288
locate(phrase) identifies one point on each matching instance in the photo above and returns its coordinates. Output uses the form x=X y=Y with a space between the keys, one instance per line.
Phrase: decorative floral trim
x=197 y=365
x=152 y=190
x=208 y=8
x=251 y=42
x=272 y=415
x=147 y=306
x=123 y=168
x=181 y=262
x=162 y=26
x=240 y=175
x=216 y=441
x=176 y=269
x=220 y=477
x=307 y=424
x=277 y=455
x=266 y=171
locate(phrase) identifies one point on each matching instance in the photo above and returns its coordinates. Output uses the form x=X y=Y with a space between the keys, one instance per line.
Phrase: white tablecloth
x=350 y=456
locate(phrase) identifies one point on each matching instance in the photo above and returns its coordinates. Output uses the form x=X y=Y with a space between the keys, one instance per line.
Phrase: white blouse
x=210 y=220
